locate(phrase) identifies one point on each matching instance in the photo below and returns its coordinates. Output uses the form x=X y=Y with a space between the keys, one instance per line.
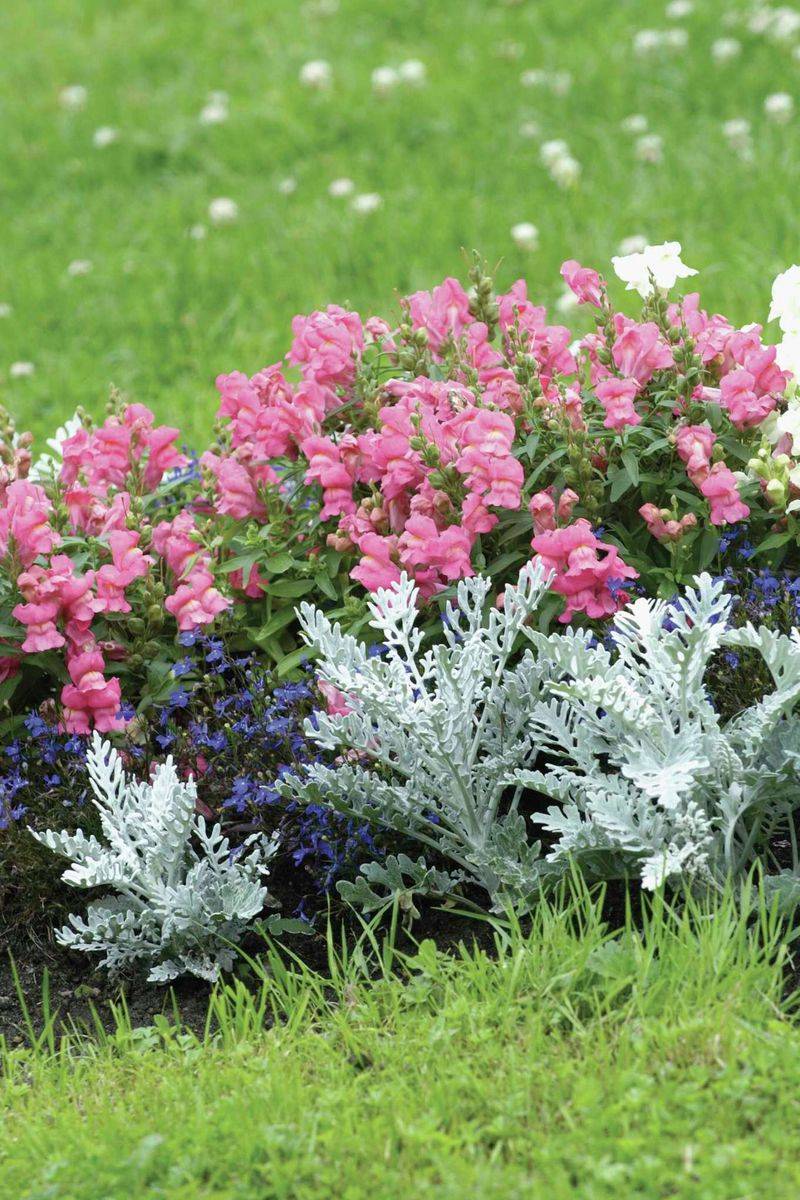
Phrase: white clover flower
x=779 y=107
x=384 y=80
x=796 y=53
x=21 y=370
x=724 y=49
x=784 y=25
x=635 y=123
x=366 y=202
x=560 y=83
x=198 y=232
x=678 y=9
x=567 y=301
x=316 y=75
x=5 y=310
x=737 y=134
x=676 y=39
x=106 y=135
x=511 y=51
x=79 y=266
x=760 y=19
x=647 y=40
x=73 y=97
x=551 y=151
x=565 y=171
x=634 y=244
x=287 y=186
x=785 y=306
x=529 y=130
x=222 y=211
x=649 y=148
x=533 y=78
x=413 y=71
x=215 y=110
x=525 y=236
x=341 y=187
x=662 y=263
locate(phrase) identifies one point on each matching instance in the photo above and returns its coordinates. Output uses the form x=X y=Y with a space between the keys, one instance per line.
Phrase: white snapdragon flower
x=788 y=359
x=725 y=48
x=316 y=75
x=525 y=236
x=779 y=107
x=662 y=263
x=785 y=305
x=222 y=211
x=47 y=465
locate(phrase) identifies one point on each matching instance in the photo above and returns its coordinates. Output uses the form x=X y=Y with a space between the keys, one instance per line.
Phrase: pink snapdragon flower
x=617 y=397
x=445 y=551
x=639 y=349
x=587 y=571
x=739 y=396
x=327 y=345
x=585 y=283
x=91 y=700
x=719 y=488
x=128 y=563
x=663 y=526
x=196 y=601
x=443 y=313
x=694 y=444
x=25 y=522
x=378 y=567
x=543 y=509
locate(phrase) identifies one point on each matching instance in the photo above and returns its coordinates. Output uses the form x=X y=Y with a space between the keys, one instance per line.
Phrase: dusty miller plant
x=435 y=737
x=182 y=895
x=648 y=779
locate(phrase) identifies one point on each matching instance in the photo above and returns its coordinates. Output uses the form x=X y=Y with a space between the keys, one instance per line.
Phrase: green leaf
x=631 y=466
x=620 y=483
x=290 y=589
x=278 y=564
x=773 y=540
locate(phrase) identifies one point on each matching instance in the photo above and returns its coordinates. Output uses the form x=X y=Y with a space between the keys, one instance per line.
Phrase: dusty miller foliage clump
x=182 y=895
x=648 y=778
x=443 y=744
x=438 y=735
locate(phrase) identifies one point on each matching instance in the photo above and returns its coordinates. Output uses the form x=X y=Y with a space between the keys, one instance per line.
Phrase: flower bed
x=150 y=595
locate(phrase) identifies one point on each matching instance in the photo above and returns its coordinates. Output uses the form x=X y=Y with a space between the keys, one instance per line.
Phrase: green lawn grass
x=161 y=314
x=653 y=1064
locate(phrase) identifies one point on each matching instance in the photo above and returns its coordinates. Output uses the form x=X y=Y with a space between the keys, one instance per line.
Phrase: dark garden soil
x=80 y=993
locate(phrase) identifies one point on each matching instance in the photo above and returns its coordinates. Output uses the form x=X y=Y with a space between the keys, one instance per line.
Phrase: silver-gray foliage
x=647 y=777
x=182 y=895
x=437 y=735
x=441 y=745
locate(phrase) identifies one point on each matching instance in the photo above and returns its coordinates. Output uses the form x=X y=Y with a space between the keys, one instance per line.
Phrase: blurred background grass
x=161 y=312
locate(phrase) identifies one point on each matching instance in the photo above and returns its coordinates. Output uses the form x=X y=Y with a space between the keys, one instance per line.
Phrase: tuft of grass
x=658 y=1060
x=161 y=313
